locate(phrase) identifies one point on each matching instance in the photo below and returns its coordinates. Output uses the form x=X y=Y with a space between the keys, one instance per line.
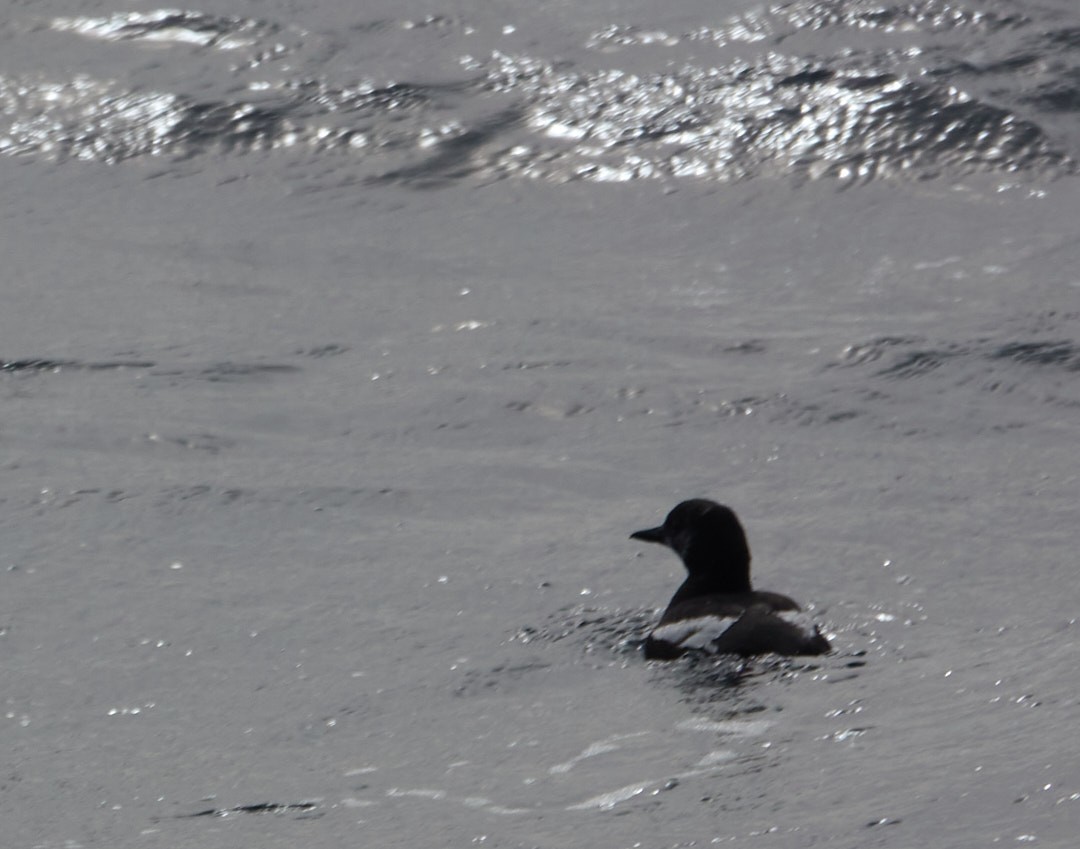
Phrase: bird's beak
x=651 y=535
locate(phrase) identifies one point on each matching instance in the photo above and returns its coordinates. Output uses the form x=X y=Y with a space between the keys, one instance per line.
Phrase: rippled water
x=852 y=91
x=342 y=348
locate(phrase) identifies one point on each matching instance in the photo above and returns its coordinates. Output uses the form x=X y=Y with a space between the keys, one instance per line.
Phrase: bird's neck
x=717 y=564
x=714 y=579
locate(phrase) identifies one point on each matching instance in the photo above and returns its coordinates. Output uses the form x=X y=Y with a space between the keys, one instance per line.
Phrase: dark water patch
x=1006 y=65
x=174 y=494
x=225 y=371
x=364 y=99
x=778 y=408
x=204 y=496
x=702 y=678
x=727 y=688
x=47 y=365
x=230 y=372
x=530 y=365
x=807 y=77
x=304 y=810
x=1062 y=96
x=550 y=410
x=1038 y=67
x=672 y=407
x=211 y=497
x=913 y=357
x=322 y=351
x=920 y=363
x=787 y=410
x=456 y=156
x=905 y=362
x=750 y=346
x=1067 y=38
x=205 y=442
x=719 y=687
x=498 y=679
x=869 y=352
x=225 y=127
x=1064 y=355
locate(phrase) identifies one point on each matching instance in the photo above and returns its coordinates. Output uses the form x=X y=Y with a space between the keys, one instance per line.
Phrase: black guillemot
x=715 y=611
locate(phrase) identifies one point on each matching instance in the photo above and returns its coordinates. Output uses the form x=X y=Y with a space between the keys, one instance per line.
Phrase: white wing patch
x=699 y=633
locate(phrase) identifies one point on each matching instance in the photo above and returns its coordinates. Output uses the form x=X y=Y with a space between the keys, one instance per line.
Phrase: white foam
x=608 y=744
x=609 y=800
x=737 y=727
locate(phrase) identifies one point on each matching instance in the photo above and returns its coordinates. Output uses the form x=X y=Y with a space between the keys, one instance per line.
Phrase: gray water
x=343 y=345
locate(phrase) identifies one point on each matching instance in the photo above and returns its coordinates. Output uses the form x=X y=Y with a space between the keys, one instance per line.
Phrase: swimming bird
x=715 y=611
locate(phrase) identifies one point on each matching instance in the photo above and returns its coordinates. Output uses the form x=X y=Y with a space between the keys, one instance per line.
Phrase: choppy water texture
x=342 y=348
x=852 y=91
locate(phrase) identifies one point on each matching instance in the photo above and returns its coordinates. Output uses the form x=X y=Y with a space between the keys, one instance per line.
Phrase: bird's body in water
x=715 y=610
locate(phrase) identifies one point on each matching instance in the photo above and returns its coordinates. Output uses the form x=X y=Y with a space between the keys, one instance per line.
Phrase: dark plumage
x=715 y=610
